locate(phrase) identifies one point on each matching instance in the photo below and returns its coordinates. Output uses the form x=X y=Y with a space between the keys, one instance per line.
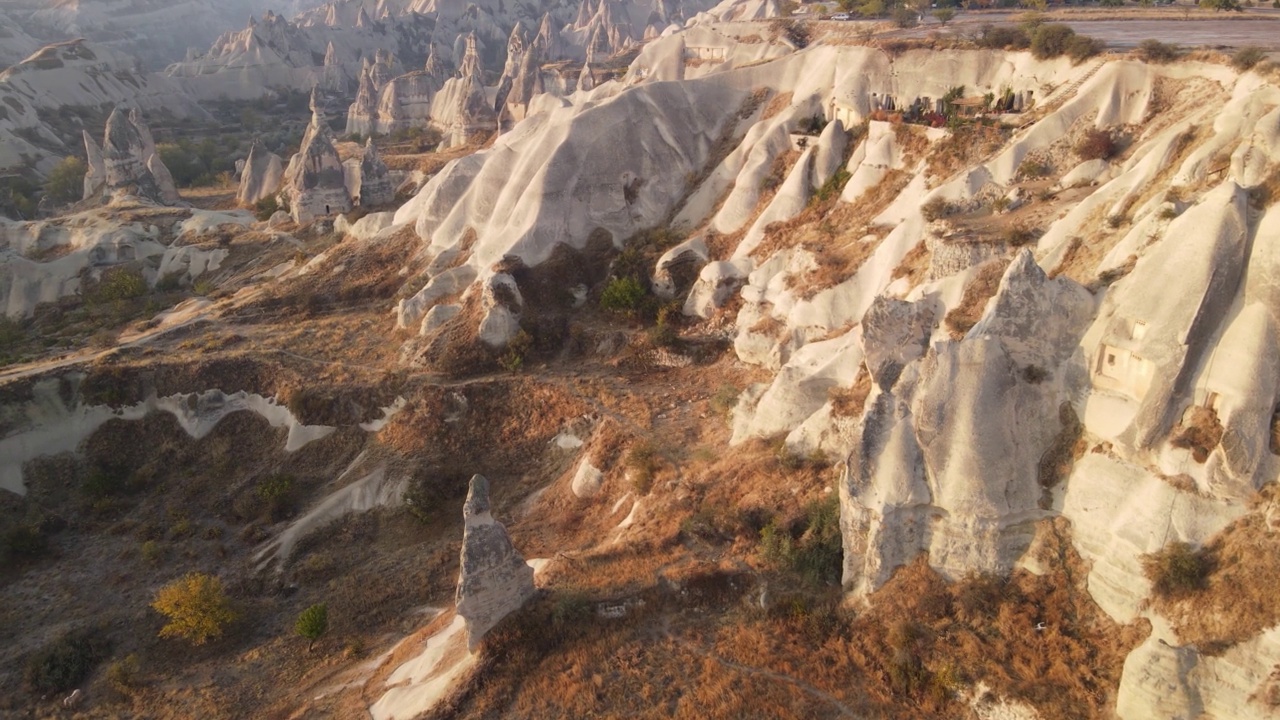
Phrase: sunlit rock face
x=493 y=579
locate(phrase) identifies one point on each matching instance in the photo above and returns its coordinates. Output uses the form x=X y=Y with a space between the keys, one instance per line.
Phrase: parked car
x=841 y=16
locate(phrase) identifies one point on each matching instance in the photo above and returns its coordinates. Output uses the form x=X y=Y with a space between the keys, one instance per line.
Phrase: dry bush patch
x=777 y=104
x=915 y=265
x=849 y=402
x=1199 y=431
x=973 y=303
x=1231 y=605
x=963 y=148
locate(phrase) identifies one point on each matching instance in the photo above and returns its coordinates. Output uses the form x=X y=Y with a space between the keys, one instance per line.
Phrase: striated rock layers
x=314 y=182
x=493 y=579
x=127 y=162
x=263 y=171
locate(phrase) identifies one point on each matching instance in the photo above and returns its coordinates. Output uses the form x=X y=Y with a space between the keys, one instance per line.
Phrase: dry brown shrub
x=1234 y=603
x=973 y=303
x=849 y=401
x=1199 y=431
x=780 y=102
x=915 y=265
x=965 y=146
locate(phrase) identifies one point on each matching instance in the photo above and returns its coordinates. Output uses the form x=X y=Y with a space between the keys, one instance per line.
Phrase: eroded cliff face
x=988 y=328
x=1051 y=362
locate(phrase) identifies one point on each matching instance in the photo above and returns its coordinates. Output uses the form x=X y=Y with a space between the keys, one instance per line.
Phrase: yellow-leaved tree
x=196 y=606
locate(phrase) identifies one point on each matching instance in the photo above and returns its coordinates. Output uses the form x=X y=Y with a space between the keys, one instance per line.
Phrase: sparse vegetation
x=623 y=295
x=66 y=180
x=1096 y=144
x=811 y=548
x=266 y=207
x=1154 y=51
x=66 y=662
x=197 y=608
x=1176 y=570
x=1247 y=57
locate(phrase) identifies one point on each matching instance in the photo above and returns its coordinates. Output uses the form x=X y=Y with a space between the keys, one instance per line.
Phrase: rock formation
x=95 y=177
x=314 y=182
x=493 y=579
x=263 y=171
x=129 y=161
x=374 y=187
x=461 y=108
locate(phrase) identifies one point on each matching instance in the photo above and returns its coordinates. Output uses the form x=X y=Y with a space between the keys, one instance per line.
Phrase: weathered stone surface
x=461 y=109
x=95 y=178
x=375 y=183
x=314 y=182
x=493 y=578
x=894 y=334
x=263 y=171
x=130 y=162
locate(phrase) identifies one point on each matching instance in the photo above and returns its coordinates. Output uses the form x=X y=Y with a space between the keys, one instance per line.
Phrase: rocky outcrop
x=586 y=80
x=949 y=449
x=493 y=579
x=314 y=182
x=461 y=109
x=261 y=177
x=95 y=177
x=130 y=161
x=374 y=187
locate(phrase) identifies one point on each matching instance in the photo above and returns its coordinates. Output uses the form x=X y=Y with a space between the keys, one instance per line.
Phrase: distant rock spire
x=435 y=67
x=470 y=66
x=586 y=80
x=549 y=39
x=363 y=20
x=330 y=55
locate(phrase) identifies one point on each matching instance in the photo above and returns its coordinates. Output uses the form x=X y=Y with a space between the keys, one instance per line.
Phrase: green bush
x=905 y=17
x=266 y=207
x=623 y=295
x=118 y=284
x=1246 y=57
x=816 y=554
x=275 y=492
x=1177 y=570
x=66 y=181
x=1154 y=51
x=1003 y=38
x=24 y=542
x=312 y=623
x=944 y=15
x=65 y=663
x=1083 y=47
x=1051 y=40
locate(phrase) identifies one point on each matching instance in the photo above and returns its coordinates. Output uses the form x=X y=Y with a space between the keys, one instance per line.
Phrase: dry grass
x=1199 y=431
x=777 y=104
x=981 y=288
x=963 y=148
x=1234 y=604
x=849 y=401
x=915 y=265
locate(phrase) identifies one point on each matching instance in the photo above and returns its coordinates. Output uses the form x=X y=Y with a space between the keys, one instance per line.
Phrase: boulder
x=493 y=579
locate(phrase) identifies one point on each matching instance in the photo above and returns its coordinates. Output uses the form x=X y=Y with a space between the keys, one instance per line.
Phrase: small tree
x=196 y=606
x=944 y=15
x=905 y=17
x=66 y=181
x=312 y=623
